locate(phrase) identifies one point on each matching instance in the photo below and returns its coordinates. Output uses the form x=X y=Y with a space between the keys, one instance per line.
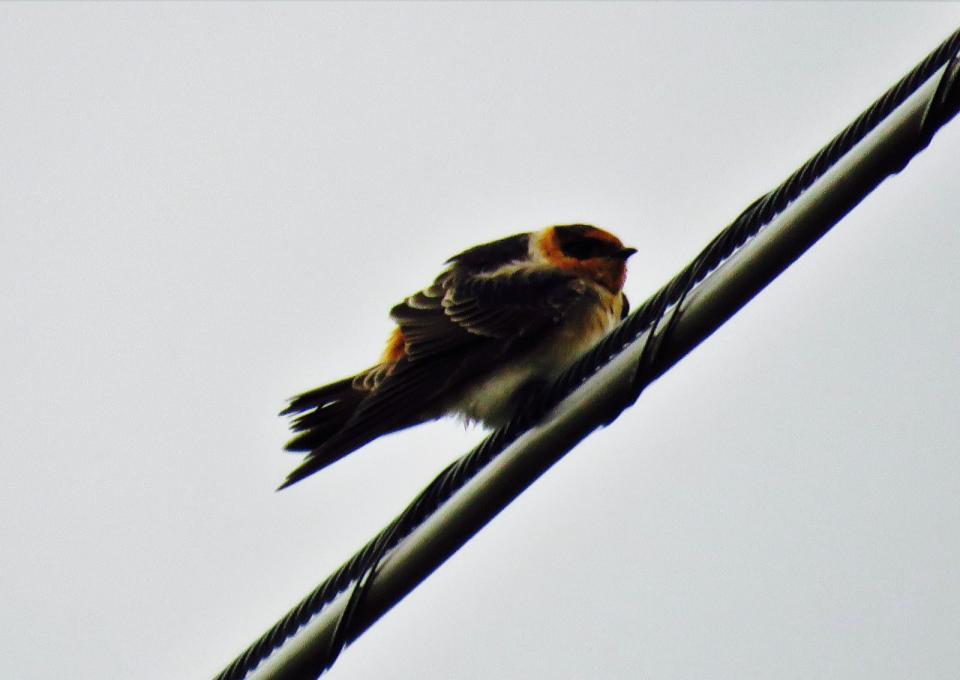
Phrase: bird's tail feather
x=320 y=414
x=315 y=461
x=320 y=396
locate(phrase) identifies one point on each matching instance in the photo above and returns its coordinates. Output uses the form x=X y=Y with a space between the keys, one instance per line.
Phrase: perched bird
x=502 y=318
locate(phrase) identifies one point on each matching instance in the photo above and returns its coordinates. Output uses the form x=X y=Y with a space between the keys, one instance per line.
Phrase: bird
x=503 y=318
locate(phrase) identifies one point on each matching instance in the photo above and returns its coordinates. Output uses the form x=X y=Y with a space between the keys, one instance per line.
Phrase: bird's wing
x=466 y=309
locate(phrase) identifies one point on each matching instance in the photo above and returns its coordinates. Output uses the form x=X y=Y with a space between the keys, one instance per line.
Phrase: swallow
x=502 y=318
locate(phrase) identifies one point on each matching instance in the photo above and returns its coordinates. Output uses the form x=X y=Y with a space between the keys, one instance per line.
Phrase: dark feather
x=495 y=254
x=323 y=412
x=318 y=396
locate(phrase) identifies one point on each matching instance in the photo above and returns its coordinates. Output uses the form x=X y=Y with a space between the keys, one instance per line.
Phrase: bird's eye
x=583 y=249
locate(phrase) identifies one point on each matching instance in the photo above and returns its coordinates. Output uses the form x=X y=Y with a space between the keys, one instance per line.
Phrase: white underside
x=489 y=401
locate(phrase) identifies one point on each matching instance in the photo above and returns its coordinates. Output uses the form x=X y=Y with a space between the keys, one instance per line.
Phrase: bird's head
x=587 y=251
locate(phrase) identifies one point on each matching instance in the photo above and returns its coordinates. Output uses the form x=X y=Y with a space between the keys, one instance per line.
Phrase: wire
x=360 y=568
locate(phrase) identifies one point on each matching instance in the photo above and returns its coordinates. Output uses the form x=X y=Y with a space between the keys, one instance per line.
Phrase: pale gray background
x=206 y=208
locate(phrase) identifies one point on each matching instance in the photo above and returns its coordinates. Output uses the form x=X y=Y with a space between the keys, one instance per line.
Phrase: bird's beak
x=625 y=253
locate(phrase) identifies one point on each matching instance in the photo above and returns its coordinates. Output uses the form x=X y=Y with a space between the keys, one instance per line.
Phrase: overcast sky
x=207 y=208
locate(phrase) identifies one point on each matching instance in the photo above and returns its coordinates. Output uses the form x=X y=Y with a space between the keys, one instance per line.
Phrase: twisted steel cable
x=360 y=568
